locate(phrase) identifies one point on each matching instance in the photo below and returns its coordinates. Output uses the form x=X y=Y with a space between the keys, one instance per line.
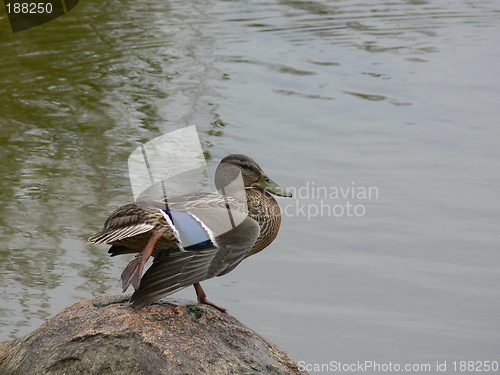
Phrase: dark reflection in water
x=78 y=94
x=399 y=27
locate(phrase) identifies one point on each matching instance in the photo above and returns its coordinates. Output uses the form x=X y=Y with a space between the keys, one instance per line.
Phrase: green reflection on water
x=77 y=95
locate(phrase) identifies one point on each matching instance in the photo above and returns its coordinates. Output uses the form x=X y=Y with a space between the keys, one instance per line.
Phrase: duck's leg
x=202 y=297
x=132 y=273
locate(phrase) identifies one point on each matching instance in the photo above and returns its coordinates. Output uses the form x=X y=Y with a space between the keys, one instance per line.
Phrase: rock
x=104 y=335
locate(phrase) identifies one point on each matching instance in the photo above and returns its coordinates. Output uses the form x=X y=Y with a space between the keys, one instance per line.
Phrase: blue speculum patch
x=192 y=234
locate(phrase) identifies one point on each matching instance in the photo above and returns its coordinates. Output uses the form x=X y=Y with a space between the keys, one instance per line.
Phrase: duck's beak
x=266 y=184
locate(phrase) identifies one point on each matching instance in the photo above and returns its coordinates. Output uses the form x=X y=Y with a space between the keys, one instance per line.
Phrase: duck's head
x=253 y=175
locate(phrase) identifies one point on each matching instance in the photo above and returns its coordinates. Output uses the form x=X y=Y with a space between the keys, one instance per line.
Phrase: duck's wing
x=198 y=201
x=176 y=269
x=148 y=213
x=128 y=221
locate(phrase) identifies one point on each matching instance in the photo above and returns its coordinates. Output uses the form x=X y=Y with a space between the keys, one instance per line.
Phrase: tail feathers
x=112 y=235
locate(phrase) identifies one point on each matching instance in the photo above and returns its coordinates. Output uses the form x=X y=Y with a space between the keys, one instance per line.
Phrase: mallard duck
x=189 y=235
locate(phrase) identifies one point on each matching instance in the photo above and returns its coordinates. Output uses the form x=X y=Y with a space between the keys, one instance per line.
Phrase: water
x=400 y=97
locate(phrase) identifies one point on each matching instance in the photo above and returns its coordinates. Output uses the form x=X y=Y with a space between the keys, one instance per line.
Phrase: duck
x=196 y=236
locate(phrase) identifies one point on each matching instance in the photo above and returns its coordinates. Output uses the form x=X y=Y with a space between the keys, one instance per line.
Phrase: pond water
x=381 y=116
